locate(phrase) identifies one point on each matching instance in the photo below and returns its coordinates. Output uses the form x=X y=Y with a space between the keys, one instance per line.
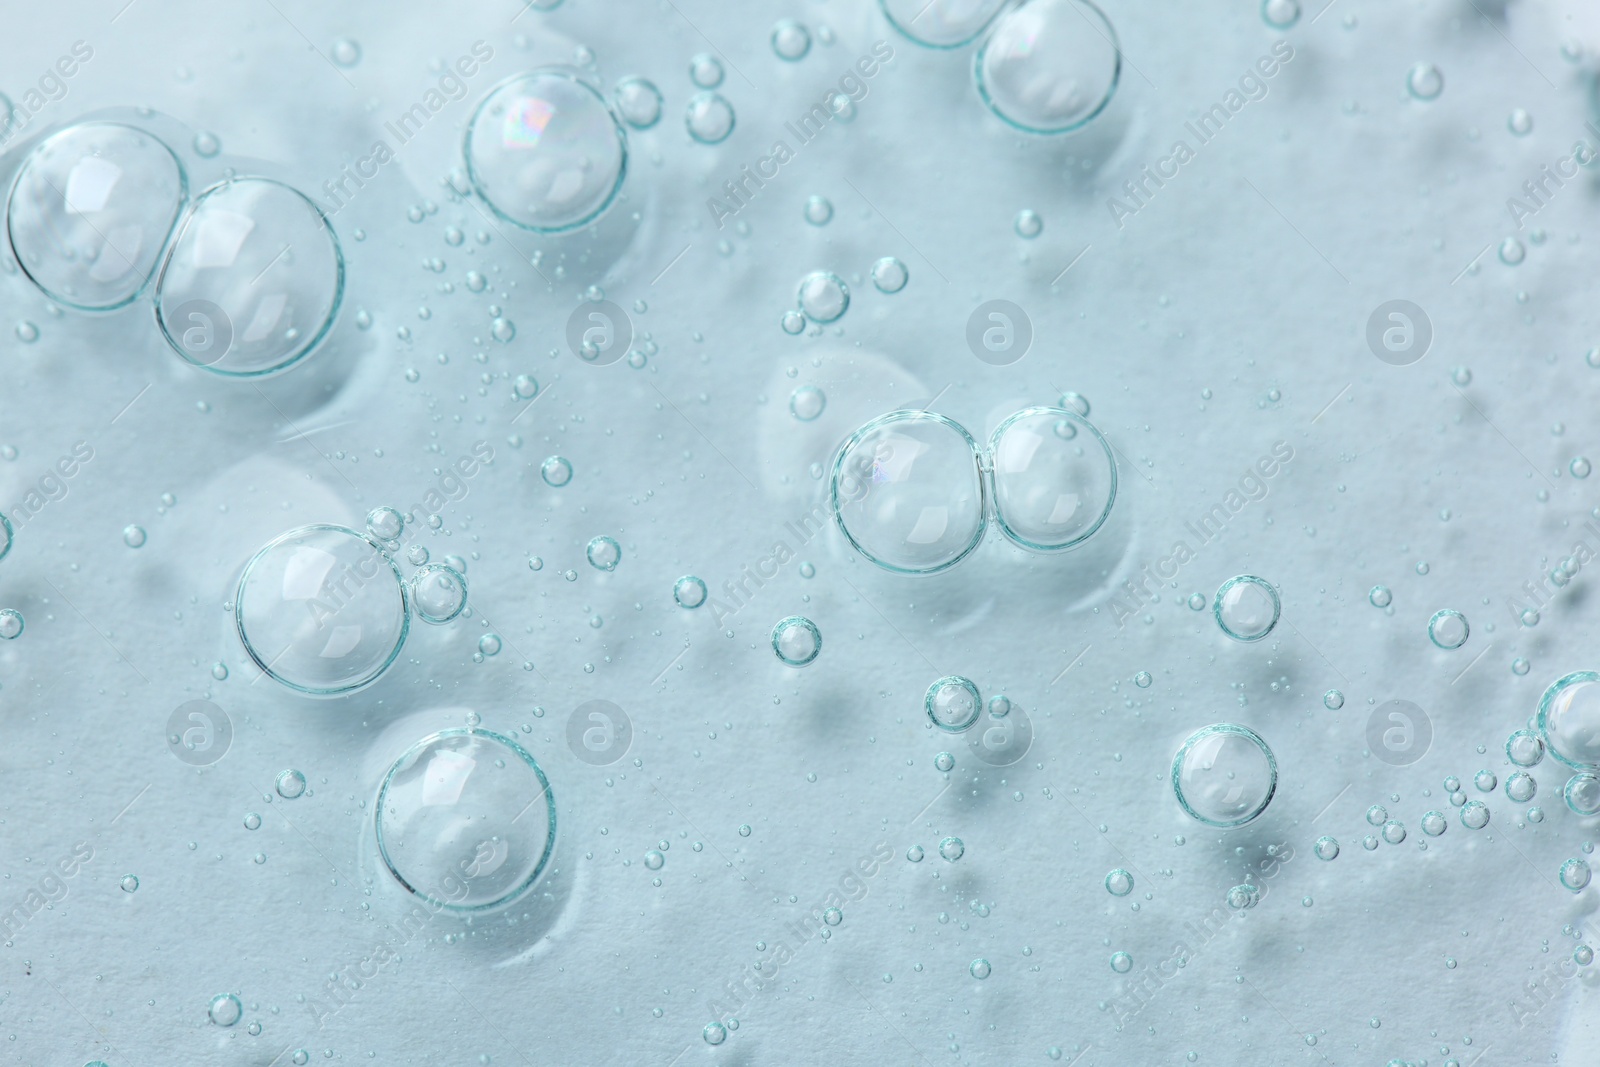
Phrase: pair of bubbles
x=1002 y=735
x=324 y=609
x=1567 y=726
x=1044 y=66
x=913 y=492
x=245 y=277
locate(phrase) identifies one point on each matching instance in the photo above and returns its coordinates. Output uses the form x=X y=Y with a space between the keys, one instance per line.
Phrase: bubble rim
x=315 y=338
x=1277 y=606
x=994 y=495
x=1448 y=613
x=178 y=211
x=964 y=682
x=988 y=101
x=1209 y=731
x=784 y=624
x=571 y=74
x=265 y=668
x=1542 y=716
x=999 y=10
x=985 y=505
x=549 y=842
x=430 y=568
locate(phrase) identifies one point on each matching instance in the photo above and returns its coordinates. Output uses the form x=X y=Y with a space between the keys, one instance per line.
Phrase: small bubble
x=130 y=883
x=1333 y=700
x=1119 y=883
x=1028 y=224
x=133 y=536
x=979 y=969
x=819 y=210
x=1520 y=122
x=1379 y=596
x=1575 y=875
x=790 y=40
x=346 y=53
x=944 y=761
x=291 y=784
x=952 y=849
x=1142 y=679
x=1326 y=848
x=556 y=471
x=1425 y=81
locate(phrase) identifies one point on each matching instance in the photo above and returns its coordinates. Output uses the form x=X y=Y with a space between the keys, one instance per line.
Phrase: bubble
x=944 y=761
x=796 y=640
x=1246 y=607
x=1333 y=700
x=345 y=52
x=1448 y=629
x=1512 y=252
x=952 y=703
x=1326 y=848
x=1519 y=666
x=1280 y=14
x=1394 y=831
x=1575 y=875
x=889 y=275
x=1049 y=66
x=1379 y=596
x=1119 y=883
x=129 y=883
x=322 y=610
x=133 y=536
x=638 y=102
x=252 y=821
x=438 y=593
x=818 y=210
x=1224 y=775
x=604 y=553
x=1524 y=748
x=907 y=493
x=1519 y=122
x=823 y=296
x=915 y=854
x=1520 y=786
x=1475 y=814
x=11 y=624
x=952 y=849
x=1142 y=679
x=654 y=860
x=941 y=23
x=790 y=40
x=1434 y=823
x=793 y=322
x=90 y=212
x=1369 y=843
x=1485 y=781
x=1243 y=897
x=1197 y=602
x=1377 y=815
x=465 y=820
x=709 y=118
x=807 y=402
x=206 y=144
x=7 y=534
x=1579 y=467
x=1582 y=793
x=714 y=1033
x=225 y=1009
x=1028 y=224
x=525 y=386
x=705 y=70
x=1051 y=491
x=689 y=591
x=1425 y=81
x=744 y=829
x=1568 y=719
x=417 y=555
x=290 y=784
x=556 y=471
x=1583 y=955
x=1121 y=962
x=489 y=644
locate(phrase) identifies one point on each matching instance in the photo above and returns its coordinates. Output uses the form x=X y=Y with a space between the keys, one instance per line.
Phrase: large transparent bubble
x=1569 y=719
x=1224 y=775
x=252 y=281
x=545 y=152
x=908 y=494
x=1054 y=478
x=1049 y=66
x=465 y=820
x=941 y=23
x=322 y=609
x=91 y=211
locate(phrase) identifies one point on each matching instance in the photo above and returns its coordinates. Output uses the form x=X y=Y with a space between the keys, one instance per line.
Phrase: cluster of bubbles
x=325 y=610
x=247 y=275
x=914 y=493
x=822 y=296
x=1043 y=66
